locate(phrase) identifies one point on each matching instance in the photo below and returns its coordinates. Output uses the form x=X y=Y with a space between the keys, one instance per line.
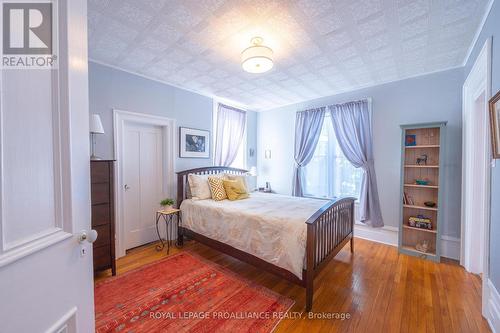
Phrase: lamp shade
x=257 y=58
x=96 y=124
x=253 y=171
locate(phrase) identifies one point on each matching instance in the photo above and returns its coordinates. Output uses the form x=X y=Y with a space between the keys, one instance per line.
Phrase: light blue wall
x=430 y=98
x=110 y=89
x=491 y=28
x=252 y=138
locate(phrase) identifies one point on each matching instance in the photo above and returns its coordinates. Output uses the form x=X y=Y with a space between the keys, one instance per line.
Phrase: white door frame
x=120 y=117
x=477 y=83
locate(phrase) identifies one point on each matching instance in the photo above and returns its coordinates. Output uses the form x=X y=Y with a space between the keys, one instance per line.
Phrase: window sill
x=356 y=202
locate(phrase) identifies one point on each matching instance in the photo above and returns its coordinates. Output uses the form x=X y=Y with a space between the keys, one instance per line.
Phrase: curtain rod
x=368 y=99
x=231 y=107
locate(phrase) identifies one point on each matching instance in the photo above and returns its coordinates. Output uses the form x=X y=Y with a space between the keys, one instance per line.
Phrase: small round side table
x=168 y=217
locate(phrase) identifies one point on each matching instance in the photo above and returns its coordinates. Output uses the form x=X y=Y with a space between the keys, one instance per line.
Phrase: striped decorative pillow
x=217 y=188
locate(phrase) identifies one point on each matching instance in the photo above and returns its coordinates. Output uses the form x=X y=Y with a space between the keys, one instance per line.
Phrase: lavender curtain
x=352 y=125
x=231 y=124
x=307 y=131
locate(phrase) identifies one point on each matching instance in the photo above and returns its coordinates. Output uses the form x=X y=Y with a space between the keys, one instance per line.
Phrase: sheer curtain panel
x=230 y=129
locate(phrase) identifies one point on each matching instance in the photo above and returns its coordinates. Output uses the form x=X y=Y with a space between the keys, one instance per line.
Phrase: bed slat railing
x=328 y=230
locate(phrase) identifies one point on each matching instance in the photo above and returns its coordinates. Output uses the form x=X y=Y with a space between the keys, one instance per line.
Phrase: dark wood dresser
x=103 y=215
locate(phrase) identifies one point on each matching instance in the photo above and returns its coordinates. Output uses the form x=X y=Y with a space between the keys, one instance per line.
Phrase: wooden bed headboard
x=213 y=170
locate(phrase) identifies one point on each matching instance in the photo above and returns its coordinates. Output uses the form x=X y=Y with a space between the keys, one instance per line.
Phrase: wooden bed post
x=310 y=248
x=180 y=198
x=352 y=227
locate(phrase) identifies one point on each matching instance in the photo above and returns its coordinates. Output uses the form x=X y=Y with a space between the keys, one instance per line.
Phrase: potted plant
x=167 y=203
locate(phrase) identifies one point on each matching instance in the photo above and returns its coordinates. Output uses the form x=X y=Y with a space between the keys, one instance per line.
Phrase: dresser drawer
x=101 y=214
x=99 y=173
x=102 y=257
x=103 y=235
x=100 y=193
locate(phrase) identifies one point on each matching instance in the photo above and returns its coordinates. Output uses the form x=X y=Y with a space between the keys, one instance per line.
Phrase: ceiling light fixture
x=257 y=58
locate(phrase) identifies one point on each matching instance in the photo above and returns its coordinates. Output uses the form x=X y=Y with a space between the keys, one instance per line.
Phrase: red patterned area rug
x=185 y=293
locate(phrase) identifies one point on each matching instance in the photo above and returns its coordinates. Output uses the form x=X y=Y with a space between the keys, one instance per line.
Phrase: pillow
x=198 y=186
x=235 y=189
x=241 y=178
x=217 y=188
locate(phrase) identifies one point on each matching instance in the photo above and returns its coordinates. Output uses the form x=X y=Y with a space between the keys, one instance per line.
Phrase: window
x=330 y=174
x=240 y=160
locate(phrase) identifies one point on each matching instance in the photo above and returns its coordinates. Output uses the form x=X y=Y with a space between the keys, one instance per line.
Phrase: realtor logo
x=28 y=35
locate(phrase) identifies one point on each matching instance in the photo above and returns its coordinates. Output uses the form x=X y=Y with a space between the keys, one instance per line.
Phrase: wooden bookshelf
x=421 y=161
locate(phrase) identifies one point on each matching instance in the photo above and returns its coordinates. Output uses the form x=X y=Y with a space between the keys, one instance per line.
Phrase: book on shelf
x=407 y=199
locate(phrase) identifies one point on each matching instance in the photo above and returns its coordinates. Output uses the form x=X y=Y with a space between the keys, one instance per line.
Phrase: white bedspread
x=269 y=226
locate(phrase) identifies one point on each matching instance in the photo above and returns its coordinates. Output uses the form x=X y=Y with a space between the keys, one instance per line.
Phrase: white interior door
x=46 y=277
x=143 y=182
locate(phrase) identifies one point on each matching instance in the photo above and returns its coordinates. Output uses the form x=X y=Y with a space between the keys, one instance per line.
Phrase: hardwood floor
x=381 y=290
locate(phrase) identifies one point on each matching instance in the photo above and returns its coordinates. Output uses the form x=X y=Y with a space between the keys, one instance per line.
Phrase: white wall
x=430 y=98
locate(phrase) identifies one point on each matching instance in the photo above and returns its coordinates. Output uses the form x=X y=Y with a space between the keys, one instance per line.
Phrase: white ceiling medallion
x=257 y=58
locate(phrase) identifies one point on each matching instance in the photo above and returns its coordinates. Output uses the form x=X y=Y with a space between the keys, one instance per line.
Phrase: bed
x=291 y=237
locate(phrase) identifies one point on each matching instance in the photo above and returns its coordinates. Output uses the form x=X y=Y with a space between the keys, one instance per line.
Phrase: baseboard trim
x=386 y=235
x=493 y=307
x=450 y=246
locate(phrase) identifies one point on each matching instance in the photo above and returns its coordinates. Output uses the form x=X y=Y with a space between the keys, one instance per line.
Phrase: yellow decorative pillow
x=241 y=178
x=217 y=188
x=235 y=189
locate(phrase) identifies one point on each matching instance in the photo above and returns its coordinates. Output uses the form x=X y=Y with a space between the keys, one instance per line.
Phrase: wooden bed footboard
x=328 y=231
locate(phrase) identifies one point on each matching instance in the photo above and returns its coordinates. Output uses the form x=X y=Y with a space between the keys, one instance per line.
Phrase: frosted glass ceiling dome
x=257 y=58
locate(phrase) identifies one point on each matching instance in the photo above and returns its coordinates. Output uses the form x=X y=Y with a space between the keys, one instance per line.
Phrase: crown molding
x=478 y=32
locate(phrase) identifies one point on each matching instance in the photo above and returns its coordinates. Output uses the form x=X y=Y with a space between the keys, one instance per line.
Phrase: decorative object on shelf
x=410 y=140
x=495 y=124
x=257 y=58
x=167 y=203
x=194 y=143
x=423 y=246
x=95 y=128
x=422 y=159
x=266 y=189
x=420 y=221
x=430 y=204
x=423 y=182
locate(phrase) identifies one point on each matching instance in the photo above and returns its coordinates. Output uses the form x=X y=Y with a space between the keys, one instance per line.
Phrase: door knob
x=126 y=187
x=89 y=236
